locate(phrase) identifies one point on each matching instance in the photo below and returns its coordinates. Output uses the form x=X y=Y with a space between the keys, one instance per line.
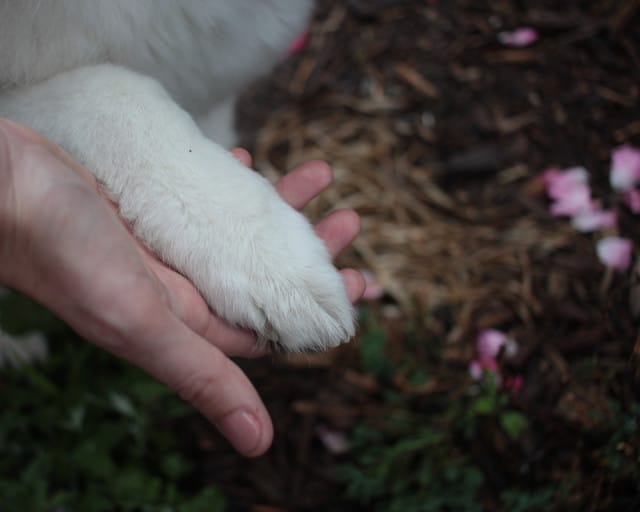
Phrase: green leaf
x=174 y=466
x=514 y=423
x=484 y=404
x=122 y=404
x=209 y=500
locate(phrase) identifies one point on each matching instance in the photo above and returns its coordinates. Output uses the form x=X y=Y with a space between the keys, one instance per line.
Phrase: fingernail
x=242 y=430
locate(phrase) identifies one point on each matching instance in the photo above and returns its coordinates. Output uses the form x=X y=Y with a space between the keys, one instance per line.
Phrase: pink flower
x=477 y=367
x=299 y=43
x=489 y=343
x=373 y=289
x=632 y=198
x=625 y=167
x=615 y=252
x=592 y=220
x=519 y=37
x=514 y=383
x=490 y=364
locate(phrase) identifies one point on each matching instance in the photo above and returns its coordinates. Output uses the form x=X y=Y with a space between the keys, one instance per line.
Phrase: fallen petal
x=593 y=220
x=476 y=370
x=632 y=198
x=519 y=37
x=559 y=183
x=570 y=191
x=334 y=441
x=574 y=201
x=625 y=167
x=615 y=252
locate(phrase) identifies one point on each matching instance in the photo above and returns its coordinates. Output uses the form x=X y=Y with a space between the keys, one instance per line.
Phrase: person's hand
x=63 y=244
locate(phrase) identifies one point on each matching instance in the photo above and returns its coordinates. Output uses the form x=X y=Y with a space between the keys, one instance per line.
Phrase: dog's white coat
x=118 y=84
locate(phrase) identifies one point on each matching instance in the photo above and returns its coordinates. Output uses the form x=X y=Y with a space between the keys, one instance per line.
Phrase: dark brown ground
x=437 y=133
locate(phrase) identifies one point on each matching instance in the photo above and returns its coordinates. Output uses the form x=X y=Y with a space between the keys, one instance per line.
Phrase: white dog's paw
x=264 y=268
x=286 y=288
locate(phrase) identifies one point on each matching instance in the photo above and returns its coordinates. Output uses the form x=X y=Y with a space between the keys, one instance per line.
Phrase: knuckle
x=199 y=388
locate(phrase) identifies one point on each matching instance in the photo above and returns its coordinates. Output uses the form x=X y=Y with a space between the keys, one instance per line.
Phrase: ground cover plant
x=441 y=119
x=84 y=431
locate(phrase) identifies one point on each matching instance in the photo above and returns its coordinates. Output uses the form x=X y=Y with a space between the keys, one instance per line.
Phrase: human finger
x=304 y=183
x=203 y=376
x=243 y=155
x=338 y=230
x=354 y=283
x=187 y=303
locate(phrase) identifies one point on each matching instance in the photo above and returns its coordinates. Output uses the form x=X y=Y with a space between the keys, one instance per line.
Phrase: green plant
x=621 y=453
x=409 y=462
x=419 y=457
x=84 y=431
x=490 y=405
x=414 y=469
x=373 y=357
x=516 y=500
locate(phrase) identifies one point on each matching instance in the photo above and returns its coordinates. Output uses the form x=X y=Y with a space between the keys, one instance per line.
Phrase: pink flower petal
x=489 y=343
x=299 y=43
x=476 y=370
x=478 y=367
x=510 y=348
x=593 y=220
x=519 y=37
x=615 y=252
x=574 y=201
x=632 y=198
x=625 y=167
x=559 y=183
x=490 y=364
x=373 y=289
x=334 y=441
x=570 y=191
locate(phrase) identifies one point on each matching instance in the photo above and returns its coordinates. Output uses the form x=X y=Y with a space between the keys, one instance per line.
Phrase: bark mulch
x=438 y=134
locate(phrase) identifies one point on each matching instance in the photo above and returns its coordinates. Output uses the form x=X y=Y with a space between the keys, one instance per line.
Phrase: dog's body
x=116 y=83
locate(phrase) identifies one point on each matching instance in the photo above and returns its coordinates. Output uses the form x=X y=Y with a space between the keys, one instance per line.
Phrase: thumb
x=202 y=375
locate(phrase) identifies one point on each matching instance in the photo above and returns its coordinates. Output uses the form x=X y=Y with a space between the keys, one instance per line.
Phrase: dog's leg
x=256 y=260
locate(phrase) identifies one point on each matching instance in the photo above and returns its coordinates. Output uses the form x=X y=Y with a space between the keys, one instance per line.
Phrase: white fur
x=116 y=83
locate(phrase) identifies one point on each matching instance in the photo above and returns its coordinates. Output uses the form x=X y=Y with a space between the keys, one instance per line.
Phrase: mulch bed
x=438 y=134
